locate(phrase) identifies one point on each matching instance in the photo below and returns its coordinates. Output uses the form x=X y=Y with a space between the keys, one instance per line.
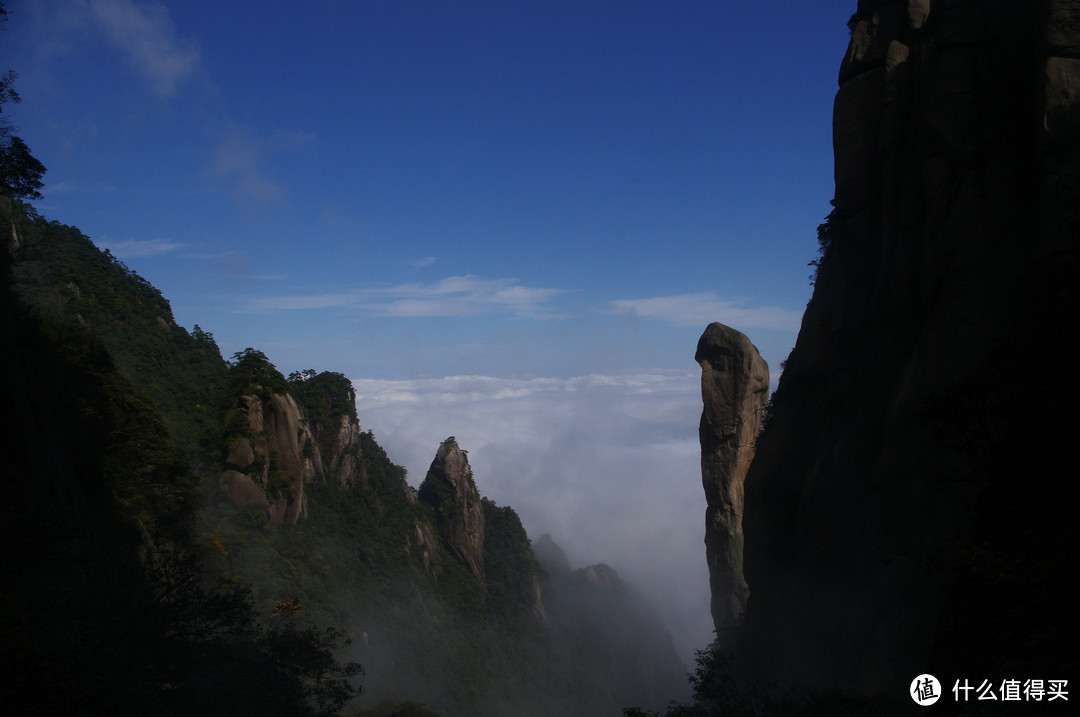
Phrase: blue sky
x=502 y=220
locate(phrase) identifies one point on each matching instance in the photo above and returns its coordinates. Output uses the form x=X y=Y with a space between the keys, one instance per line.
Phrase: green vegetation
x=133 y=583
x=106 y=607
x=57 y=269
x=509 y=566
x=324 y=396
x=148 y=412
x=20 y=171
x=829 y=236
x=326 y=399
x=250 y=369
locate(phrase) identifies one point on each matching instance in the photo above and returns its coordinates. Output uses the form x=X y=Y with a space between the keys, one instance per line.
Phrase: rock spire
x=734 y=391
x=449 y=488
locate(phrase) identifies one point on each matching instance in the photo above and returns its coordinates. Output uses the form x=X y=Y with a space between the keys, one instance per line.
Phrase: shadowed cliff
x=906 y=510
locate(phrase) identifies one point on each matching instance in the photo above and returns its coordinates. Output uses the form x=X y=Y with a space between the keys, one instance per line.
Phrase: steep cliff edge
x=734 y=391
x=329 y=403
x=906 y=492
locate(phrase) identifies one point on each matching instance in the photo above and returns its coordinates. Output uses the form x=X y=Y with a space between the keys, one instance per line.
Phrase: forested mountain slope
x=299 y=512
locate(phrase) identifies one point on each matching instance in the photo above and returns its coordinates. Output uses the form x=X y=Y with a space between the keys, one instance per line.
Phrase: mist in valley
x=609 y=466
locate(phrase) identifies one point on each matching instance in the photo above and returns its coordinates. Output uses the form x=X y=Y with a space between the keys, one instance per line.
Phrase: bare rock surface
x=275 y=459
x=734 y=391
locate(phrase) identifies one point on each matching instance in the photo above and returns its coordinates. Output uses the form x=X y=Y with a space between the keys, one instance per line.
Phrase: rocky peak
x=451 y=492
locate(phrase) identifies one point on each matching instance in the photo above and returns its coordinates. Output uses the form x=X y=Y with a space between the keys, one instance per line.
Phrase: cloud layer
x=146 y=34
x=608 y=464
x=141 y=247
x=700 y=309
x=456 y=296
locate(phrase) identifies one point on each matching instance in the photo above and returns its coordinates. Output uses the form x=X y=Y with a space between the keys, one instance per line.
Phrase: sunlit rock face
x=449 y=488
x=734 y=392
x=894 y=457
x=268 y=467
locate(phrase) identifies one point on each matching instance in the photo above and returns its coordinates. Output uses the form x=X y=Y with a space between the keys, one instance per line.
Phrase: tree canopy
x=20 y=171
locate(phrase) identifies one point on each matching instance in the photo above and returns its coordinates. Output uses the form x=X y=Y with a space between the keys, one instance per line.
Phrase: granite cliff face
x=343 y=467
x=269 y=466
x=905 y=491
x=734 y=391
x=450 y=490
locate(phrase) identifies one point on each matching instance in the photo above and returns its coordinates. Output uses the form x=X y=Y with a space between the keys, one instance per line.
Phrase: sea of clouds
x=609 y=465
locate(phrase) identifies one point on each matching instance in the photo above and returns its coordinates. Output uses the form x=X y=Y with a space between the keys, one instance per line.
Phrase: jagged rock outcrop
x=888 y=531
x=328 y=401
x=734 y=391
x=269 y=463
x=450 y=490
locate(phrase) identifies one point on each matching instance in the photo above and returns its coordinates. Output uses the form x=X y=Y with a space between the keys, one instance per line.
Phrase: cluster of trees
x=20 y=171
x=107 y=607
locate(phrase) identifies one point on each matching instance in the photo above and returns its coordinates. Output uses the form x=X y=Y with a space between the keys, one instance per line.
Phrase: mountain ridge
x=304 y=509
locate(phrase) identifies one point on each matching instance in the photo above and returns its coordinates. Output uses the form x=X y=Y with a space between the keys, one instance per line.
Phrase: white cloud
x=145 y=32
x=243 y=157
x=240 y=158
x=423 y=262
x=142 y=247
x=694 y=310
x=608 y=464
x=456 y=296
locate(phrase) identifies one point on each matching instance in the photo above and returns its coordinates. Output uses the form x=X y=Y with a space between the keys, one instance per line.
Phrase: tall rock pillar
x=734 y=391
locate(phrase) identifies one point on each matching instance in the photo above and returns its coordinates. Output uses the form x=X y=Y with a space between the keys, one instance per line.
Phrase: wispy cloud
x=145 y=32
x=421 y=263
x=142 y=247
x=697 y=310
x=456 y=296
x=240 y=159
x=243 y=157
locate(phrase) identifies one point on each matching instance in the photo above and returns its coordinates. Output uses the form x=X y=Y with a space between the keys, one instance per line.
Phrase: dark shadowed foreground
x=910 y=507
